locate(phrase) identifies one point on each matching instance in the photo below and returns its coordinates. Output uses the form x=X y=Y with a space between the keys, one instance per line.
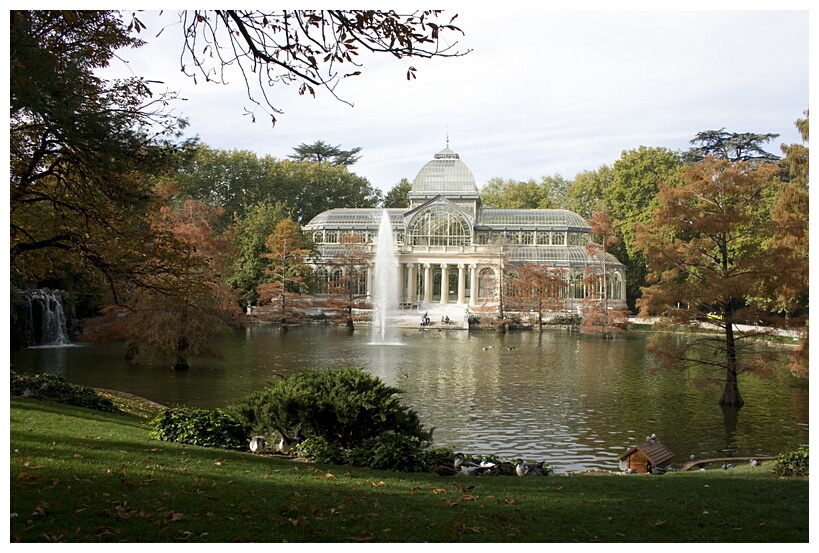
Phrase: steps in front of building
x=435 y=311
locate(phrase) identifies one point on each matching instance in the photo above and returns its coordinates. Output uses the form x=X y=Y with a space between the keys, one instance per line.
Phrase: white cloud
x=543 y=92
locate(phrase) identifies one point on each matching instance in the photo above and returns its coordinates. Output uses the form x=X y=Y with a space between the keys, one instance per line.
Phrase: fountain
x=385 y=283
x=45 y=320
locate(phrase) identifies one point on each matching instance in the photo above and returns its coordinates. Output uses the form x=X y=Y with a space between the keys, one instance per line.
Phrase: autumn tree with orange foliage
x=598 y=318
x=287 y=251
x=710 y=252
x=180 y=311
x=347 y=276
x=538 y=288
x=790 y=214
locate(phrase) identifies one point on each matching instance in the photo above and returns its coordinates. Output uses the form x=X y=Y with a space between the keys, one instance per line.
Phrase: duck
x=284 y=446
x=472 y=469
x=257 y=444
x=528 y=469
x=443 y=470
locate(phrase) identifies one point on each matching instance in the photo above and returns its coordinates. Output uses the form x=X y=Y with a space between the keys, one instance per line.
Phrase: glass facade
x=452 y=250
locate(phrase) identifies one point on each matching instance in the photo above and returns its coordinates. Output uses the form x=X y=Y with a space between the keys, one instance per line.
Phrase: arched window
x=321 y=279
x=439 y=226
x=487 y=284
x=616 y=286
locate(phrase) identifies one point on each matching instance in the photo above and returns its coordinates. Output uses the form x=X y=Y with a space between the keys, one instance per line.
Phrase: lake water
x=575 y=401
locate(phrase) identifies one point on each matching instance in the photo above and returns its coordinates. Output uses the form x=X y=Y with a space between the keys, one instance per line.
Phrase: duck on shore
x=472 y=469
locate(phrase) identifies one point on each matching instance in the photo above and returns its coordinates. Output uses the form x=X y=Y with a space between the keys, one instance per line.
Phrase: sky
x=541 y=93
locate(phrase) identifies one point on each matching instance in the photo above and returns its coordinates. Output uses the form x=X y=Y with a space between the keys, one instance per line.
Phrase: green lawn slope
x=79 y=475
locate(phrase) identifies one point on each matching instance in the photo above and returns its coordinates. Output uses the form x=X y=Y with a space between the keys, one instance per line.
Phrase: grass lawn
x=83 y=476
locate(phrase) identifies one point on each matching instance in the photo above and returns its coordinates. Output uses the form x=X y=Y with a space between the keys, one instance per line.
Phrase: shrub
x=438 y=456
x=390 y=451
x=345 y=406
x=203 y=427
x=792 y=463
x=319 y=449
x=52 y=387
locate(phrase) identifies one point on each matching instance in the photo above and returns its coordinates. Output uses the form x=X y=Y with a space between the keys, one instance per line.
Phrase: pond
x=574 y=401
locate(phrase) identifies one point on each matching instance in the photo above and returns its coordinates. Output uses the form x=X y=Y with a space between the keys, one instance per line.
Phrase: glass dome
x=446 y=175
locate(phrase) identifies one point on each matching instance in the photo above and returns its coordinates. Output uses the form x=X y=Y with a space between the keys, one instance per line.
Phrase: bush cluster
x=203 y=427
x=52 y=387
x=792 y=463
x=345 y=406
x=387 y=451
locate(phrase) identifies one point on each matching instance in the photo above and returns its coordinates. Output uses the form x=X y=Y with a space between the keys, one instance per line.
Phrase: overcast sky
x=541 y=93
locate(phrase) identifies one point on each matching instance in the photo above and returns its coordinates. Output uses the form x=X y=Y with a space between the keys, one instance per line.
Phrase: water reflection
x=576 y=402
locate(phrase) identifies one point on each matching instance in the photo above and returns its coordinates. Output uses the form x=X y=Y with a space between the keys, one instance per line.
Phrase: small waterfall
x=45 y=320
x=385 y=281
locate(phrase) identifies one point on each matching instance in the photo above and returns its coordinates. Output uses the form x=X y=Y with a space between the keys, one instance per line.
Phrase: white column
x=399 y=272
x=473 y=284
x=412 y=293
x=444 y=283
x=427 y=283
x=370 y=281
x=461 y=284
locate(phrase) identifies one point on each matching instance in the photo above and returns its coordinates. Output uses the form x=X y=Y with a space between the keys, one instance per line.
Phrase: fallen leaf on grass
x=379 y=484
x=367 y=537
x=436 y=491
x=39 y=510
x=461 y=487
x=511 y=501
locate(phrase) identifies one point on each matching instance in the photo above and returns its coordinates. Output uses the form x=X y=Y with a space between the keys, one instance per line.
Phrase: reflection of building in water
x=451 y=250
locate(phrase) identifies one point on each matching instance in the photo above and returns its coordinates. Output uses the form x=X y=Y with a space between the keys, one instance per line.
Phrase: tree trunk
x=730 y=394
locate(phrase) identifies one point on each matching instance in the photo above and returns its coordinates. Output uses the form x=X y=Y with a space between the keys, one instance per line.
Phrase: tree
x=790 y=215
x=708 y=251
x=252 y=230
x=238 y=180
x=347 y=274
x=288 y=270
x=511 y=194
x=311 y=188
x=597 y=317
x=587 y=191
x=731 y=146
x=306 y=47
x=538 y=288
x=181 y=313
x=398 y=195
x=82 y=151
x=234 y=180
x=631 y=199
x=321 y=152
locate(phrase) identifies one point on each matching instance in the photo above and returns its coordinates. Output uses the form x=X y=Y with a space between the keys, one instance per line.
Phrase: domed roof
x=445 y=175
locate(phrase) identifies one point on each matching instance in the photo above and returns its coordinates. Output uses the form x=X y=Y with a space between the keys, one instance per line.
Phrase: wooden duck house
x=644 y=457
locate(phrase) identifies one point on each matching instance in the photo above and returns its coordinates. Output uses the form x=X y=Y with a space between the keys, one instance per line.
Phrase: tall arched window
x=439 y=226
x=616 y=286
x=487 y=284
